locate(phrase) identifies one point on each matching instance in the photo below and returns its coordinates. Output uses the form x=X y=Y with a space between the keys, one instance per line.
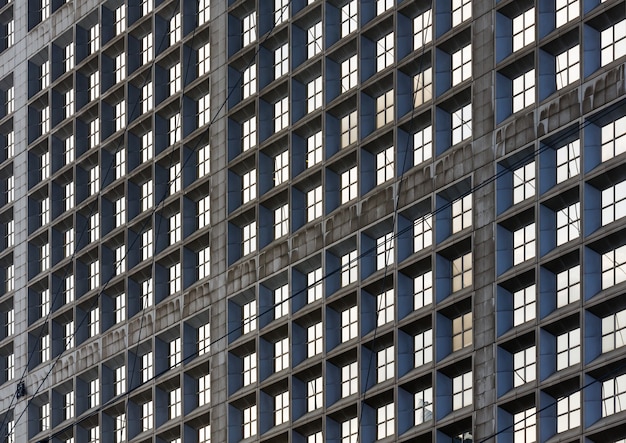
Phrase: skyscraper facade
x=308 y=221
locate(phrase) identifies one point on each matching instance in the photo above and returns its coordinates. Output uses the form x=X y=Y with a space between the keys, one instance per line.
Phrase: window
x=146 y=97
x=566 y=10
x=384 y=108
x=525 y=426
x=523 y=29
x=567 y=67
x=423 y=87
x=568 y=349
x=385 y=421
x=462 y=272
x=204 y=262
x=175 y=278
x=44 y=75
x=422 y=233
x=204 y=390
x=613 y=395
x=523 y=90
x=614 y=139
x=94 y=275
x=281 y=301
x=249 y=316
x=120 y=67
x=613 y=43
x=174 y=128
x=68 y=53
x=349 y=180
x=281 y=60
x=146 y=244
x=349 y=21
x=384 y=251
x=175 y=29
x=44 y=422
x=249 y=29
x=461 y=11
x=175 y=404
x=120 y=163
x=568 y=223
x=94 y=322
x=568 y=286
x=120 y=260
x=175 y=353
x=94 y=393
x=119 y=381
x=613 y=203
x=349 y=129
x=614 y=331
x=314 y=203
x=524 y=366
x=314 y=94
x=314 y=285
x=45 y=119
x=147 y=147
x=524 y=244
x=281 y=221
x=175 y=178
x=147 y=296
x=94 y=85
x=314 y=339
x=462 y=391
x=281 y=168
x=45 y=9
x=314 y=149
x=384 y=52
x=281 y=408
x=349 y=268
x=248 y=129
x=423 y=290
x=10 y=323
x=281 y=11
x=462 y=124
x=462 y=213
x=120 y=308
x=315 y=396
x=567 y=161
x=68 y=242
x=462 y=331
x=350 y=431
x=69 y=196
x=44 y=257
x=147 y=416
x=147 y=367
x=248 y=186
x=349 y=379
x=147 y=52
x=45 y=348
x=422 y=29
x=568 y=412
x=69 y=102
x=120 y=19
x=383 y=5
x=249 y=421
x=203 y=12
x=94 y=180
x=69 y=334
x=249 y=81
x=423 y=406
x=349 y=77
x=314 y=40
x=385 y=307
x=461 y=65
x=175 y=228
x=315 y=438
x=422 y=145
x=249 y=369
x=524 y=182
x=175 y=78
x=423 y=347
x=385 y=364
x=45 y=211
x=249 y=238
x=349 y=324
x=281 y=114
x=384 y=165
x=147 y=199
x=524 y=305
x=94 y=434
x=10 y=233
x=281 y=354
x=10 y=35
x=94 y=132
